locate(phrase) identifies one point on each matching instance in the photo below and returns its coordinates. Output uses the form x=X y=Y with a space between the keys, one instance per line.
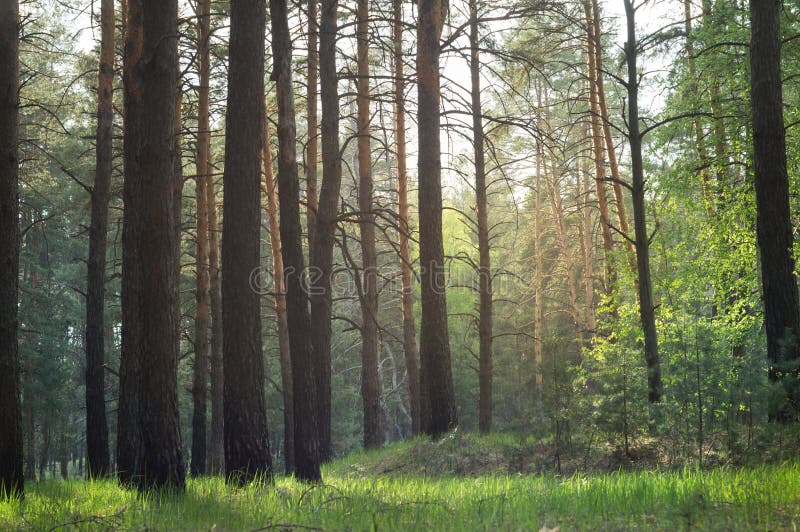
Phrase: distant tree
x=306 y=430
x=202 y=175
x=437 y=398
x=312 y=144
x=278 y=272
x=774 y=225
x=481 y=207
x=247 y=454
x=97 y=451
x=11 y=475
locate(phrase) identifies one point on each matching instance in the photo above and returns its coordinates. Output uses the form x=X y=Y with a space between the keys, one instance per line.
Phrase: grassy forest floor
x=460 y=483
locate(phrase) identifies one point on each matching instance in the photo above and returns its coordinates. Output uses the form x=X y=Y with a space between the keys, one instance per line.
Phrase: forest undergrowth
x=474 y=489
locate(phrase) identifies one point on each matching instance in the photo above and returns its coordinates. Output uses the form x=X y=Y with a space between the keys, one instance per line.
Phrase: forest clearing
x=359 y=494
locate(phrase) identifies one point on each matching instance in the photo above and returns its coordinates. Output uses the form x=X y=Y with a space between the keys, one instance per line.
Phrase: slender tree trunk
x=304 y=387
x=645 y=285
x=44 y=451
x=96 y=426
x=271 y=189
x=63 y=454
x=217 y=443
x=247 y=454
x=557 y=211
x=774 y=226
x=202 y=168
x=404 y=234
x=697 y=127
x=437 y=398
x=30 y=423
x=325 y=233
x=12 y=481
x=481 y=206
x=584 y=190
x=370 y=378
x=598 y=147
x=538 y=302
x=128 y=434
x=611 y=150
x=312 y=151
x=216 y=450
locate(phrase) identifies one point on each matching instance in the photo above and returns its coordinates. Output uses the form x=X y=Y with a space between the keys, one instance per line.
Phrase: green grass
x=763 y=497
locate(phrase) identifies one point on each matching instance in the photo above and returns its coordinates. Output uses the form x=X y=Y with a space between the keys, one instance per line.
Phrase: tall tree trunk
x=44 y=451
x=611 y=150
x=217 y=440
x=202 y=170
x=312 y=151
x=437 y=397
x=642 y=239
x=271 y=189
x=96 y=426
x=718 y=122
x=370 y=378
x=247 y=454
x=156 y=224
x=481 y=207
x=404 y=234
x=598 y=147
x=538 y=280
x=304 y=388
x=584 y=190
x=557 y=211
x=774 y=226
x=697 y=127
x=321 y=256
x=128 y=433
x=12 y=481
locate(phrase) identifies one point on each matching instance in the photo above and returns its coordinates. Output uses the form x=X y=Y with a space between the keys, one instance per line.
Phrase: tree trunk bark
x=321 y=256
x=156 y=223
x=128 y=433
x=584 y=190
x=306 y=442
x=370 y=378
x=271 y=188
x=96 y=426
x=611 y=150
x=202 y=167
x=217 y=440
x=30 y=423
x=774 y=226
x=404 y=234
x=12 y=481
x=598 y=146
x=247 y=455
x=437 y=399
x=538 y=280
x=645 y=286
x=481 y=207
x=312 y=146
